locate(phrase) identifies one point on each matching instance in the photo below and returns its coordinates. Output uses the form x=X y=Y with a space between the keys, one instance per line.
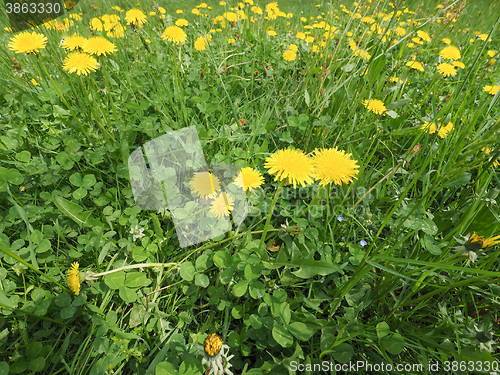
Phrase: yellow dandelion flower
x=487 y=151
x=98 y=46
x=424 y=35
x=300 y=35
x=179 y=11
x=27 y=42
x=74 y=278
x=289 y=55
x=135 y=17
x=491 y=53
x=443 y=130
x=75 y=16
x=488 y=242
x=73 y=42
x=117 y=32
x=34 y=82
x=417 y=65
x=248 y=179
x=293 y=47
x=483 y=37
x=450 y=53
x=213 y=345
x=447 y=70
x=174 y=34
x=332 y=165
x=80 y=63
x=204 y=184
x=492 y=90
x=400 y=31
x=290 y=165
x=446 y=40
x=222 y=205
x=271 y=33
x=458 y=64
x=256 y=10
x=117 y=8
x=309 y=39
x=181 y=22
x=96 y=24
x=376 y=106
x=231 y=41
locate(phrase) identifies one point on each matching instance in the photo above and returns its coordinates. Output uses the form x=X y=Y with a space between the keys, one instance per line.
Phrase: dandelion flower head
x=290 y=165
x=80 y=63
x=289 y=55
x=98 y=46
x=222 y=205
x=492 y=90
x=74 y=278
x=447 y=70
x=376 y=106
x=135 y=17
x=174 y=34
x=73 y=42
x=450 y=53
x=248 y=179
x=27 y=42
x=205 y=185
x=333 y=165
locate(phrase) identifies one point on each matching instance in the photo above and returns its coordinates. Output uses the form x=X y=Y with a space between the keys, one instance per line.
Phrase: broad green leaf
x=12 y=176
x=220 y=259
x=165 y=368
x=301 y=331
x=343 y=352
x=127 y=295
x=136 y=280
x=37 y=364
x=88 y=181
x=312 y=268
x=75 y=212
x=76 y=179
x=80 y=193
x=282 y=336
x=394 y=343
x=115 y=280
x=429 y=244
x=202 y=280
x=4 y=300
x=240 y=288
x=382 y=330
x=187 y=271
x=4 y=368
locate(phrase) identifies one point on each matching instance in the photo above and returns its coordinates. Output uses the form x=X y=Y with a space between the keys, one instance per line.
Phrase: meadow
x=346 y=217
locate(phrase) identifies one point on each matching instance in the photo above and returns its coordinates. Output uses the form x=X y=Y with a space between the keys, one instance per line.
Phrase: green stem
x=269 y=215
x=10 y=253
x=132 y=266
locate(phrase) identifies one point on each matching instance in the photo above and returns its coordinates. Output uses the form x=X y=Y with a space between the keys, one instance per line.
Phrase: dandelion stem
x=132 y=266
x=269 y=215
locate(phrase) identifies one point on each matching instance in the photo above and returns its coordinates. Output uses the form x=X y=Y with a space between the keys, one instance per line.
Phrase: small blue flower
x=363 y=243
x=340 y=218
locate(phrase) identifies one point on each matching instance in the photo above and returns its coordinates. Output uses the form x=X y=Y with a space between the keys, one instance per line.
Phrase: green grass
x=382 y=269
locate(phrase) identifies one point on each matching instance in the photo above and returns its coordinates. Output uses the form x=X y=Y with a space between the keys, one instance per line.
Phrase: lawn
x=251 y=187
